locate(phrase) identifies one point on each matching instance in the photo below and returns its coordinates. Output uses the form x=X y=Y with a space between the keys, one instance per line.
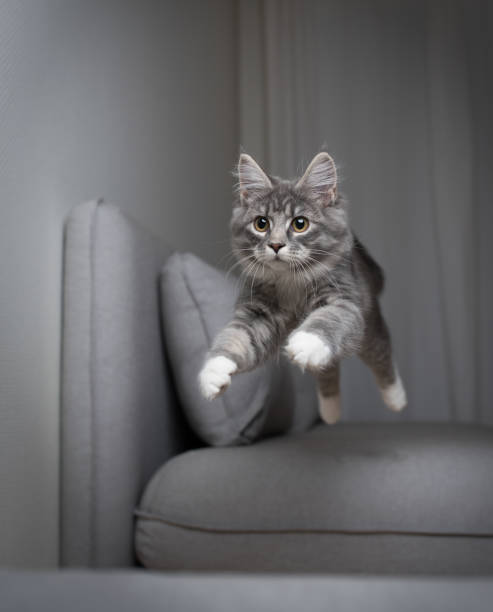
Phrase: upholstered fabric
x=198 y=300
x=349 y=498
x=119 y=417
x=150 y=592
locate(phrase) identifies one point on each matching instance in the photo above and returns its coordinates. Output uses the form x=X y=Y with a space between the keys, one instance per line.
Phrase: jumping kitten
x=309 y=284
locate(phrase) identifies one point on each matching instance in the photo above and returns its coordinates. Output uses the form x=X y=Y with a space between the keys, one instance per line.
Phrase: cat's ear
x=320 y=180
x=252 y=180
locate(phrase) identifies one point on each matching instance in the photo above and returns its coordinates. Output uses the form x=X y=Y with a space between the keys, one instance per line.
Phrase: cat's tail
x=375 y=272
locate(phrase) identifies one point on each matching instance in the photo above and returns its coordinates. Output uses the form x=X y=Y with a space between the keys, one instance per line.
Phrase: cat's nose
x=276 y=246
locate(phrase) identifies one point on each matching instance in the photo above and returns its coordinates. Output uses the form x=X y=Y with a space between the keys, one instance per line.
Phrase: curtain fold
x=400 y=93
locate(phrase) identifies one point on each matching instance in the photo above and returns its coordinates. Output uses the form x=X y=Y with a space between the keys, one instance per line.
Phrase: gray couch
x=354 y=498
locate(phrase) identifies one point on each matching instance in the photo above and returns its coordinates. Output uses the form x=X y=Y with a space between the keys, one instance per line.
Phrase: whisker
x=308 y=273
x=240 y=262
x=245 y=274
x=314 y=279
x=253 y=281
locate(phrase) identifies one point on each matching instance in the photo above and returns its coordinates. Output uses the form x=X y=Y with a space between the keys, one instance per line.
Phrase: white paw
x=308 y=350
x=215 y=376
x=395 y=395
x=329 y=408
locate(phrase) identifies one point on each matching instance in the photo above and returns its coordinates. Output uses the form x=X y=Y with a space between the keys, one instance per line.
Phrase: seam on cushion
x=261 y=414
x=92 y=377
x=141 y=514
x=227 y=408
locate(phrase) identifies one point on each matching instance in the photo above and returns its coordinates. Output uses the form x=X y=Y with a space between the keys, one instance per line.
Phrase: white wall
x=134 y=101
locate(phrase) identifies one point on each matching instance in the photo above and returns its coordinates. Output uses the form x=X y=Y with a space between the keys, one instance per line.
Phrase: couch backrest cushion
x=120 y=419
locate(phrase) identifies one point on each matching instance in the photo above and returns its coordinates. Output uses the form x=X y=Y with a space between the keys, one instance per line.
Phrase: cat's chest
x=294 y=299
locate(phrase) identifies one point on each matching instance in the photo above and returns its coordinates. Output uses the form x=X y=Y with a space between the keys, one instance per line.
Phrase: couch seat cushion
x=333 y=494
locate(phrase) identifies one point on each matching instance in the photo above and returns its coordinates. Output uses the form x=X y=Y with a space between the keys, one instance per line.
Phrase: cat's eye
x=261 y=224
x=300 y=224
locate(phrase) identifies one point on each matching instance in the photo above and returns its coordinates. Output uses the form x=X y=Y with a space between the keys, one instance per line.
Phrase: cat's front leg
x=246 y=342
x=215 y=376
x=327 y=334
x=308 y=350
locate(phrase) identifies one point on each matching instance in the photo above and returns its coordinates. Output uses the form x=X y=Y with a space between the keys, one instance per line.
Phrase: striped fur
x=317 y=296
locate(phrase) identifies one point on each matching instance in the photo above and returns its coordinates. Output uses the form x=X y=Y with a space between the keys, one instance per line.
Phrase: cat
x=310 y=286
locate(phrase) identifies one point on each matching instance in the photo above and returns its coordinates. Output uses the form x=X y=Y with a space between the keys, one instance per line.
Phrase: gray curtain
x=401 y=94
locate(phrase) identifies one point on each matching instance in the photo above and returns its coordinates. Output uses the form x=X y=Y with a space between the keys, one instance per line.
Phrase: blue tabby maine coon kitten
x=310 y=286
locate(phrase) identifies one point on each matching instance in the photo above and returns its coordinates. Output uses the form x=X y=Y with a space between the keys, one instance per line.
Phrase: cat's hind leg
x=329 y=402
x=376 y=352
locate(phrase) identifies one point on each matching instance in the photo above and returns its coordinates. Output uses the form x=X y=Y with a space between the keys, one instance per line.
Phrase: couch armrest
x=119 y=414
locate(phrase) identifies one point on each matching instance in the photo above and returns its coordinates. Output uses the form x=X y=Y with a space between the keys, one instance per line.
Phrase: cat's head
x=289 y=225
